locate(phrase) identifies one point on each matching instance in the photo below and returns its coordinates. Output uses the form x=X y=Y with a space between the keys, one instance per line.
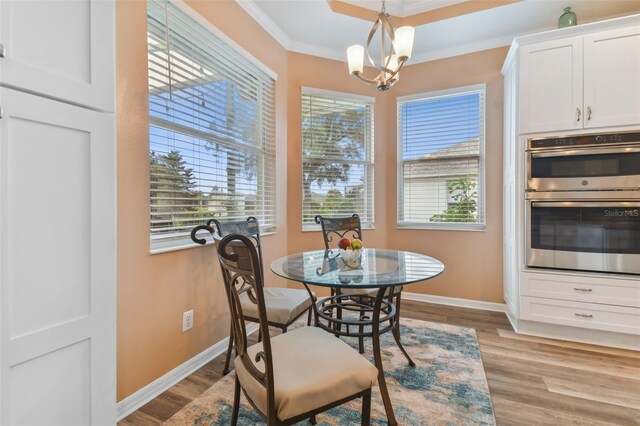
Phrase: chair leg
x=361 y=339
x=309 y=318
x=236 y=403
x=313 y=420
x=227 y=361
x=366 y=408
x=260 y=335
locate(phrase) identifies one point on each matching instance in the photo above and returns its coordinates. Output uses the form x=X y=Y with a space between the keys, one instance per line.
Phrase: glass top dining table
x=377 y=268
x=375 y=312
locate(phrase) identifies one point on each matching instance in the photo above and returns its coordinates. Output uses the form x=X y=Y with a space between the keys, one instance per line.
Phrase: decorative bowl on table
x=351 y=258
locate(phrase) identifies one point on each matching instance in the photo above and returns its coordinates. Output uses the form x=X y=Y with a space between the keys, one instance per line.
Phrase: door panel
x=57 y=263
x=612 y=77
x=62 y=49
x=551 y=86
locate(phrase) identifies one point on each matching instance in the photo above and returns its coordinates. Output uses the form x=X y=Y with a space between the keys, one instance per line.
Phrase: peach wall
x=473 y=259
x=154 y=291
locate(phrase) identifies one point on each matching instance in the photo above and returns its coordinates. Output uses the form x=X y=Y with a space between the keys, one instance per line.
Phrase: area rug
x=446 y=387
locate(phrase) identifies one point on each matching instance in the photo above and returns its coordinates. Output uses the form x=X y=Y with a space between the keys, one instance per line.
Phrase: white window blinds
x=211 y=131
x=441 y=159
x=337 y=156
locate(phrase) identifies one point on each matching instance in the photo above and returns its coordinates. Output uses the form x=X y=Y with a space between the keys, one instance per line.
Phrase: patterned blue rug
x=446 y=387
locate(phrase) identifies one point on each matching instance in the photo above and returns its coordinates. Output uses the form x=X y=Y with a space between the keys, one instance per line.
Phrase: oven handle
x=586 y=151
x=624 y=204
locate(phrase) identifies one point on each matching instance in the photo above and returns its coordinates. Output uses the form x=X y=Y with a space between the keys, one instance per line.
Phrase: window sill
x=443 y=227
x=187 y=244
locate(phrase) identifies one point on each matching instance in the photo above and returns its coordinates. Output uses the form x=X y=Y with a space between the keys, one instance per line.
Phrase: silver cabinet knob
x=588 y=113
x=2 y=50
x=578 y=113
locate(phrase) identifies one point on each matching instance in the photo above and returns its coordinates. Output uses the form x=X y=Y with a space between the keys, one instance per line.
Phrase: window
x=211 y=129
x=337 y=156
x=441 y=159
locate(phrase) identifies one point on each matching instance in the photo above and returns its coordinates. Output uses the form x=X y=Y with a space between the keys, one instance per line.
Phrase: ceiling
x=312 y=27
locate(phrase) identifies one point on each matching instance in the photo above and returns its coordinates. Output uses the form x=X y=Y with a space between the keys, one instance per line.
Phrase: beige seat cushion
x=312 y=368
x=283 y=304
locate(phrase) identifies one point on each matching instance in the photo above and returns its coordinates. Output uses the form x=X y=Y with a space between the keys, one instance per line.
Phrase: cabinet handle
x=578 y=113
x=2 y=50
x=582 y=289
x=588 y=113
x=1 y=112
x=583 y=315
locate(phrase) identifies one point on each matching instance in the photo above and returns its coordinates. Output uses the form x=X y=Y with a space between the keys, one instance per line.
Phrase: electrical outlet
x=187 y=320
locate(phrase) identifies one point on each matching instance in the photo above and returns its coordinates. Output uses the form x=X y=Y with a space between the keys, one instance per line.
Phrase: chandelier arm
x=386 y=26
x=371 y=34
x=364 y=79
x=393 y=73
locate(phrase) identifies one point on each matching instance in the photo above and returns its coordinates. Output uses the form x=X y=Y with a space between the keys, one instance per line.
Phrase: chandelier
x=395 y=50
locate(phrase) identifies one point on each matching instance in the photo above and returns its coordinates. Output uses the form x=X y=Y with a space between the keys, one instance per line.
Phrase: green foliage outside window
x=464 y=209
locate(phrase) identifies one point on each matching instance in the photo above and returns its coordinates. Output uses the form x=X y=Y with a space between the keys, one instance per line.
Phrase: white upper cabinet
x=551 y=85
x=60 y=49
x=585 y=81
x=612 y=78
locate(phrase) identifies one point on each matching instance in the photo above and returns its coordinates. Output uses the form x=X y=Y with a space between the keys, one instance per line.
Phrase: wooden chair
x=284 y=305
x=335 y=228
x=293 y=376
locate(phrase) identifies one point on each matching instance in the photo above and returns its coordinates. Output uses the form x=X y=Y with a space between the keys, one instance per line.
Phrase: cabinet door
x=612 y=78
x=551 y=86
x=62 y=49
x=57 y=263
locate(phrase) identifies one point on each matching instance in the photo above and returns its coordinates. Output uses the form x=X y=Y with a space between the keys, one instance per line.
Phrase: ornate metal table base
x=373 y=317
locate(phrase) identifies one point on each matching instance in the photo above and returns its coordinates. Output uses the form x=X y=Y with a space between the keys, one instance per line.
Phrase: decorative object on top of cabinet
x=567 y=19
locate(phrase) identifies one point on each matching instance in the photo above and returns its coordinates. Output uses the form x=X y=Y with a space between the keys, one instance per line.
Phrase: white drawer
x=577 y=314
x=582 y=289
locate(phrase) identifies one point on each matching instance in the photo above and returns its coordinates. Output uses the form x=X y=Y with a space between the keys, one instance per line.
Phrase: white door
x=551 y=86
x=60 y=48
x=57 y=263
x=612 y=78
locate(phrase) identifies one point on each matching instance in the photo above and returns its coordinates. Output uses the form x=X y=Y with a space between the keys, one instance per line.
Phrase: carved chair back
x=241 y=268
x=339 y=227
x=249 y=227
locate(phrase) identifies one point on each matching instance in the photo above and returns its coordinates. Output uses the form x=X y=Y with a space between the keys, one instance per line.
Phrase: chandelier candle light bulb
x=404 y=42
x=393 y=54
x=355 y=55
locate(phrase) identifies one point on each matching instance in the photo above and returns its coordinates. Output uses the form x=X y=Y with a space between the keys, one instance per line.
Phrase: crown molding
x=462 y=49
x=265 y=22
x=323 y=52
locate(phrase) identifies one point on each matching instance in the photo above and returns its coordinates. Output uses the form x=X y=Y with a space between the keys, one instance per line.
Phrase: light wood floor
x=533 y=381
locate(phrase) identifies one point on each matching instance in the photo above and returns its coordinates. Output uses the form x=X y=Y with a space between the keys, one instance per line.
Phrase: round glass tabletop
x=374 y=268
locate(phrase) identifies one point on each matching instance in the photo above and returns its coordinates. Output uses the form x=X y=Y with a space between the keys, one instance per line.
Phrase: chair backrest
x=339 y=227
x=249 y=227
x=241 y=268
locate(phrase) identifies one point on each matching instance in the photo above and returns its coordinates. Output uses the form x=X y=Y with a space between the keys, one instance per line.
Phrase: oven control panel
x=585 y=140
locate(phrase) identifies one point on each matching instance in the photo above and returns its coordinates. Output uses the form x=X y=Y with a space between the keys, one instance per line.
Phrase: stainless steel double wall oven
x=583 y=202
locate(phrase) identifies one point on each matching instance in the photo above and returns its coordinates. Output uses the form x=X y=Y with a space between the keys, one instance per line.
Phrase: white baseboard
x=454 y=301
x=161 y=384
